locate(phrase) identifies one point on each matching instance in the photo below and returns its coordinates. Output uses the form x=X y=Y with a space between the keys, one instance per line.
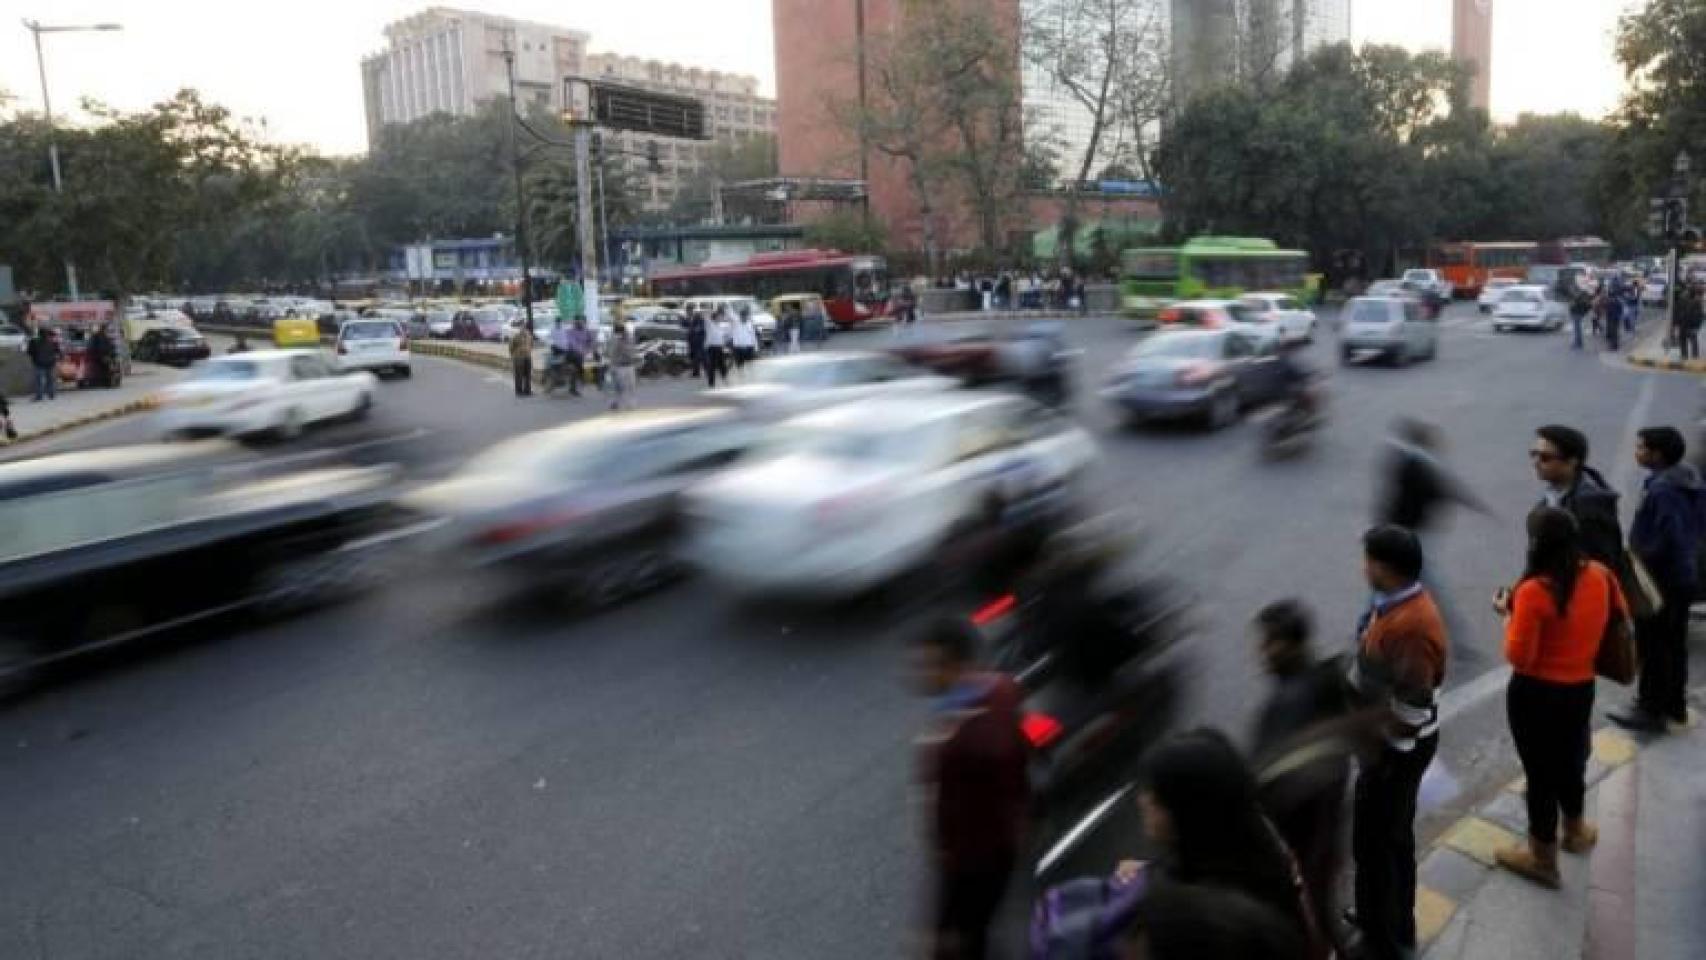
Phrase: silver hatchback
x=1397 y=328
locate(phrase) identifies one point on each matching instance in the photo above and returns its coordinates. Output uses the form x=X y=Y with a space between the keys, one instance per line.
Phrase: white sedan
x=1528 y=307
x=1493 y=292
x=847 y=499
x=264 y=393
x=802 y=382
x=1294 y=321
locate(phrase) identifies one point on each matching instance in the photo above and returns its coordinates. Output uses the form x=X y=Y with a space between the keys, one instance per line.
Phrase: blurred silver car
x=802 y=382
x=595 y=499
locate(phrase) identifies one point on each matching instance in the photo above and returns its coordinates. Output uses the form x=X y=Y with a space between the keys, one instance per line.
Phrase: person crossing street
x=521 y=361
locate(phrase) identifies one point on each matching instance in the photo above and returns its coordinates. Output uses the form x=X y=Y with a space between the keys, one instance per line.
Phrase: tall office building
x=1224 y=41
x=733 y=112
x=443 y=60
x=1472 y=44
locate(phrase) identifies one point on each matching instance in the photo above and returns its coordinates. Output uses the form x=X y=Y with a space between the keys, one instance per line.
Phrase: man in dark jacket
x=1665 y=535
x=1560 y=456
x=1417 y=487
x=973 y=763
x=44 y=358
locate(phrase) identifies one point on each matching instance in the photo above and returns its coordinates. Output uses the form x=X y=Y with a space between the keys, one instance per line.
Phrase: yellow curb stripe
x=1478 y=839
x=1613 y=748
x=1433 y=911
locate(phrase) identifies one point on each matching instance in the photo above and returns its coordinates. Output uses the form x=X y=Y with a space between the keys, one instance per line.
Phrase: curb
x=1666 y=363
x=148 y=402
x=1460 y=860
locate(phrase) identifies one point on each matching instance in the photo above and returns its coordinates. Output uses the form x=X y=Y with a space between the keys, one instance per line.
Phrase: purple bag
x=1083 y=919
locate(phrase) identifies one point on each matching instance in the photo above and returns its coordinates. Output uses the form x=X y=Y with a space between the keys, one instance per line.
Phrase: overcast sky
x=296 y=63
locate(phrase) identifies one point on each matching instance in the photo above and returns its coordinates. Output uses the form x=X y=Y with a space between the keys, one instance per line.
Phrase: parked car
x=1529 y=308
x=439 y=322
x=172 y=346
x=597 y=500
x=263 y=393
x=843 y=500
x=1398 y=328
x=1211 y=375
x=1290 y=317
x=799 y=383
x=1430 y=283
x=1490 y=294
x=119 y=543
x=381 y=346
x=13 y=337
x=482 y=324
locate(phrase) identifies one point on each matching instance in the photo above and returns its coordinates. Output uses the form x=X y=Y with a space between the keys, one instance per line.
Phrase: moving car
x=844 y=500
x=484 y=324
x=1653 y=292
x=1490 y=294
x=172 y=346
x=378 y=345
x=1033 y=356
x=596 y=500
x=1429 y=282
x=1219 y=315
x=1293 y=321
x=799 y=383
x=1389 y=288
x=295 y=330
x=1398 y=328
x=13 y=337
x=439 y=323
x=1528 y=308
x=119 y=543
x=263 y=393
x=1212 y=375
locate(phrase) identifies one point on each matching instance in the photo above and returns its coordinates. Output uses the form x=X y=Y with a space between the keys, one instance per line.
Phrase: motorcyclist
x=1091 y=622
x=1297 y=383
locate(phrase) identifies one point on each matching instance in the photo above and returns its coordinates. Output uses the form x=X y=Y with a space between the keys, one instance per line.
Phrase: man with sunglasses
x=1560 y=457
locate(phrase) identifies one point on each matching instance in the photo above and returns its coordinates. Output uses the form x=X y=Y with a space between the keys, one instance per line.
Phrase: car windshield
x=1522 y=296
x=1369 y=311
x=1202 y=347
x=800 y=374
x=228 y=370
x=1419 y=276
x=370 y=331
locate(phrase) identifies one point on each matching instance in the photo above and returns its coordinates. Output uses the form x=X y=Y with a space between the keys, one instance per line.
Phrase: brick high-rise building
x=1472 y=44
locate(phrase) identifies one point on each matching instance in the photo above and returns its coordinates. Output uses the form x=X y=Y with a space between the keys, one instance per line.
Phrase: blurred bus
x=1469 y=265
x=1575 y=250
x=1218 y=267
x=854 y=288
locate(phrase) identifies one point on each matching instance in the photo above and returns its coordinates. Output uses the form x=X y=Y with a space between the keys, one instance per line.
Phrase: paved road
x=437 y=771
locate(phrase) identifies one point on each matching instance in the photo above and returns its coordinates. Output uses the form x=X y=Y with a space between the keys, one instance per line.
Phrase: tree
x=1109 y=56
x=1662 y=48
x=851 y=232
x=722 y=163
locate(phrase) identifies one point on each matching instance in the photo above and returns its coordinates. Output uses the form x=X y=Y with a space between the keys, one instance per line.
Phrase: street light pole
x=520 y=197
x=1679 y=191
x=36 y=29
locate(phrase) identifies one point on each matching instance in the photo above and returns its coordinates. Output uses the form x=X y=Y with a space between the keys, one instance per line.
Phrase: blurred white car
x=1528 y=308
x=1293 y=320
x=1653 y=290
x=13 y=337
x=378 y=345
x=803 y=382
x=265 y=392
x=846 y=499
x=1429 y=282
x=1492 y=292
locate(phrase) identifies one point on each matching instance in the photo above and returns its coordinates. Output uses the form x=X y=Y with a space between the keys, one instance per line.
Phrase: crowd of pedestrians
x=1248 y=846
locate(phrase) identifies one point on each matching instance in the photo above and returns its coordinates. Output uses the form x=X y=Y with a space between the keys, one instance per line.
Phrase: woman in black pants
x=1553 y=624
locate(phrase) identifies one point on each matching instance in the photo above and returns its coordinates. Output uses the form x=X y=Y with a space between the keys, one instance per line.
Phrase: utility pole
x=603 y=218
x=520 y=196
x=36 y=29
x=583 y=208
x=864 y=108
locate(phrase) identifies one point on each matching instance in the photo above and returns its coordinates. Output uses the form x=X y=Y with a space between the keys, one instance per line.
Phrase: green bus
x=1210 y=267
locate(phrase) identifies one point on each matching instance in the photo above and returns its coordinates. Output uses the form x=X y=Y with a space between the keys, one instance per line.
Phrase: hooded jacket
x=1594 y=505
x=1668 y=525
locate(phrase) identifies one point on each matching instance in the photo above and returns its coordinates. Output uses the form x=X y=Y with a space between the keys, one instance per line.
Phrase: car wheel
x=1401 y=357
x=405 y=372
x=1223 y=409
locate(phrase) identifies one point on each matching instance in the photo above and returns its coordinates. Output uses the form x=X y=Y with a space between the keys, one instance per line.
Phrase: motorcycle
x=1287 y=430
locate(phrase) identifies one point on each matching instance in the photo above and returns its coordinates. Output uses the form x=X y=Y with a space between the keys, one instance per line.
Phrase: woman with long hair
x=1554 y=620
x=1200 y=806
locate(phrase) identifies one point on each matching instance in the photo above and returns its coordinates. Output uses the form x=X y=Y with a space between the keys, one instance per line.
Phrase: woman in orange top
x=1553 y=624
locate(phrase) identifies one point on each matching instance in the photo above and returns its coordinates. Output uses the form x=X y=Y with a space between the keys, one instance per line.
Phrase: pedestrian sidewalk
x=1649 y=349
x=76 y=407
x=1638 y=897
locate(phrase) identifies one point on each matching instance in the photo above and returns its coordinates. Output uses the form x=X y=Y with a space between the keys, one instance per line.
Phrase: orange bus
x=1469 y=265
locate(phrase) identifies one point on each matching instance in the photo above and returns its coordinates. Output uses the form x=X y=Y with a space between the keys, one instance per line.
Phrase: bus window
x=1152 y=266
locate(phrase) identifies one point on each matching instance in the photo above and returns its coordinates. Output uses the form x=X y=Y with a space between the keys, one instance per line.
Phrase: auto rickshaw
x=296 y=330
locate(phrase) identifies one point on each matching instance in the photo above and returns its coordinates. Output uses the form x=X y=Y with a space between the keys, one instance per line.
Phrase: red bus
x=1469 y=265
x=855 y=288
x=1575 y=250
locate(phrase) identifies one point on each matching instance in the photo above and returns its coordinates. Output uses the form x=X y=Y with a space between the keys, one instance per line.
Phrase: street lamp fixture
x=36 y=29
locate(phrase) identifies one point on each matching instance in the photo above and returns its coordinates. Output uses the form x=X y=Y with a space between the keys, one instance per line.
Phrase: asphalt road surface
x=443 y=769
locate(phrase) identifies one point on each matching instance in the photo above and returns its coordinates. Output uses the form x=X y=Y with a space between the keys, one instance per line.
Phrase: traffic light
x=653 y=162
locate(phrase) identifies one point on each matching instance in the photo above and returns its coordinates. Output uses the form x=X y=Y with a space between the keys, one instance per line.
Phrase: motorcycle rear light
x=994 y=610
x=1040 y=729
